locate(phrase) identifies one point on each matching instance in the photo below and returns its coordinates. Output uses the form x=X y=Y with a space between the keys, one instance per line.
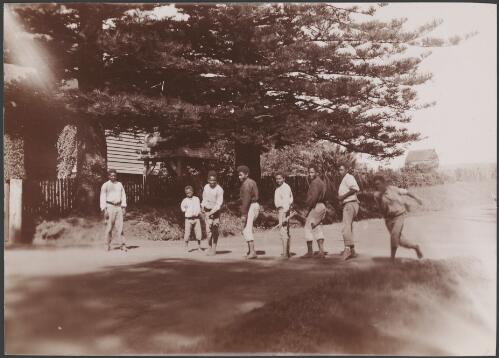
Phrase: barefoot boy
x=391 y=203
x=213 y=198
x=283 y=198
x=250 y=208
x=113 y=206
x=191 y=208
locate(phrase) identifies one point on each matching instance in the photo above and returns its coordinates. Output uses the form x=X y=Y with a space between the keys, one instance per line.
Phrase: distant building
x=425 y=159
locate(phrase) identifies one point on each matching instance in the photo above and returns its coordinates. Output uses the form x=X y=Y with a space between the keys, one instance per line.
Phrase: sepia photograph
x=314 y=178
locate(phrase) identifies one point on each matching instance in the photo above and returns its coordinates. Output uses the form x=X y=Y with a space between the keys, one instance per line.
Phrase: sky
x=462 y=126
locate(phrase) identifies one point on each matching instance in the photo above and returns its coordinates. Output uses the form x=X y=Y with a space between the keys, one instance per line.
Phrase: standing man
x=113 y=206
x=315 y=212
x=391 y=203
x=213 y=198
x=283 y=198
x=347 y=195
x=250 y=208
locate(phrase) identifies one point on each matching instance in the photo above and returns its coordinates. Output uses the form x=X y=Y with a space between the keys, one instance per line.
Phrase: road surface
x=157 y=298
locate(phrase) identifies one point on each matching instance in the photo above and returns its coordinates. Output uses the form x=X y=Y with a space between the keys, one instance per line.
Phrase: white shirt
x=112 y=192
x=191 y=207
x=391 y=201
x=348 y=182
x=283 y=197
x=213 y=198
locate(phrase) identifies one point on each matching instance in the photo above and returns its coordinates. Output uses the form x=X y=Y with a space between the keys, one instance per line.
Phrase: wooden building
x=422 y=159
x=123 y=152
x=140 y=153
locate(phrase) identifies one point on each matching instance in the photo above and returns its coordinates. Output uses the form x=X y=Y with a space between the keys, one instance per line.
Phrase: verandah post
x=15 y=210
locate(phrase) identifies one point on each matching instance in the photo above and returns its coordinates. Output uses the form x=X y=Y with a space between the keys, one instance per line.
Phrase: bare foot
x=419 y=252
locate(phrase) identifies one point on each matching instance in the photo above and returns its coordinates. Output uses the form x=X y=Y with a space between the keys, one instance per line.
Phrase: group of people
x=389 y=199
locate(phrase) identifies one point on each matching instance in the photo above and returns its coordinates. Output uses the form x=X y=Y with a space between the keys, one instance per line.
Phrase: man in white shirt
x=283 y=198
x=191 y=208
x=213 y=198
x=113 y=206
x=347 y=195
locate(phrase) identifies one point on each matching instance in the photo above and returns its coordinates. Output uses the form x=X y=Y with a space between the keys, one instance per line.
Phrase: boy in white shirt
x=283 y=198
x=347 y=195
x=113 y=206
x=191 y=208
x=213 y=198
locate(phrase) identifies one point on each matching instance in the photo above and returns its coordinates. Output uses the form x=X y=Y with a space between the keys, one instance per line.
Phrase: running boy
x=391 y=203
x=315 y=213
x=213 y=198
x=283 y=198
x=250 y=209
x=191 y=208
x=113 y=206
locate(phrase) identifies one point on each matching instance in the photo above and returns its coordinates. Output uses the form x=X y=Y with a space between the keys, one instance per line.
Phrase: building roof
x=421 y=155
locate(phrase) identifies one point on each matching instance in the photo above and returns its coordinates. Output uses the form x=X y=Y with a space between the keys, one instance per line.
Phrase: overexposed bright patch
x=160 y=13
x=24 y=51
x=109 y=24
x=210 y=75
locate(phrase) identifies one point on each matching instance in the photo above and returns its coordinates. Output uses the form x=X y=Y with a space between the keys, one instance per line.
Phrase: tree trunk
x=91 y=159
x=91 y=164
x=249 y=155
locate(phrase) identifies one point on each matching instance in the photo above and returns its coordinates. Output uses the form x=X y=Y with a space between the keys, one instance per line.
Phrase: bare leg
x=310 y=251
x=410 y=245
x=252 y=253
x=320 y=243
x=393 y=252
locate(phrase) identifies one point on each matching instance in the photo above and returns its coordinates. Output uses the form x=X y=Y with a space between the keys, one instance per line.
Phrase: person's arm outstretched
x=414 y=196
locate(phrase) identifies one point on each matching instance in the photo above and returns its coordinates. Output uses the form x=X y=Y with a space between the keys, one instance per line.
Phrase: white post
x=6 y=211
x=15 y=210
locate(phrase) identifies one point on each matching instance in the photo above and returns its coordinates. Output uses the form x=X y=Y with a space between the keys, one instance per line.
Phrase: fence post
x=15 y=210
x=6 y=194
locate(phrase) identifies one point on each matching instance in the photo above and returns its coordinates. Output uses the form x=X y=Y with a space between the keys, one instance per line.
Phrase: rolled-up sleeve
x=352 y=183
x=103 y=196
x=220 y=199
x=123 y=197
x=402 y=191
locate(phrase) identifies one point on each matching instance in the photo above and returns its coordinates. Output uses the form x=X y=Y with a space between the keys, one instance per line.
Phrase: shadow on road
x=180 y=305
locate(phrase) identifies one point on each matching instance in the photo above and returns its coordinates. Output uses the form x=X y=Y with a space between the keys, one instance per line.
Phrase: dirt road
x=157 y=298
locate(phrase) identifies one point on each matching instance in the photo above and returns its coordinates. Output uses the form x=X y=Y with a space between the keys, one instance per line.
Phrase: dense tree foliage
x=261 y=75
x=295 y=159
